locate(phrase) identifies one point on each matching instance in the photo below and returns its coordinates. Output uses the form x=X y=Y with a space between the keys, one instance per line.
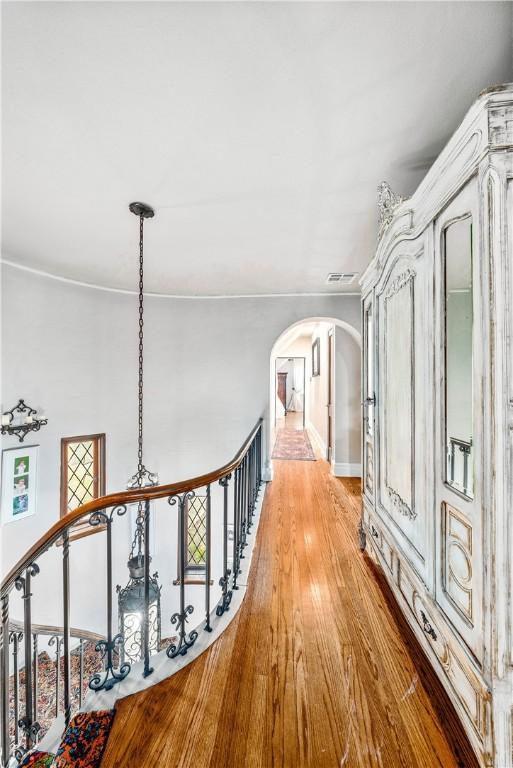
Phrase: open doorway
x=290 y=392
x=329 y=422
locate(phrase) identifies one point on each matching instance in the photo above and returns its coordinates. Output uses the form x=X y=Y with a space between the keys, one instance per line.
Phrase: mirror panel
x=369 y=370
x=459 y=471
x=399 y=389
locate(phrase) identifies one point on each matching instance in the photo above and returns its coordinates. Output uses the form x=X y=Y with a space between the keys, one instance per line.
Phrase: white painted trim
x=343 y=469
x=321 y=445
x=268 y=472
x=111 y=289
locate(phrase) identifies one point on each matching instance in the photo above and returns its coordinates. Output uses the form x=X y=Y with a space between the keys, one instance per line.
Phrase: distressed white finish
x=447 y=556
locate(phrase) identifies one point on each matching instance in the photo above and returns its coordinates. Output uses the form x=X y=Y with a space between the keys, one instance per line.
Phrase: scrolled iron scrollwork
x=111 y=675
x=181 y=498
x=21 y=582
x=227 y=595
x=99 y=517
x=184 y=641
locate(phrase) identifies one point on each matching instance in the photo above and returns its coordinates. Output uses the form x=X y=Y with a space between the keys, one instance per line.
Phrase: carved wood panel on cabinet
x=402 y=300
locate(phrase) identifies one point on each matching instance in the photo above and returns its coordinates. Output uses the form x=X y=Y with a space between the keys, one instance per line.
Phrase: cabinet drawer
x=380 y=542
x=470 y=690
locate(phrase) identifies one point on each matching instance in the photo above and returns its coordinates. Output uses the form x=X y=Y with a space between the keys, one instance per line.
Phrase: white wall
x=206 y=384
x=347 y=458
x=319 y=390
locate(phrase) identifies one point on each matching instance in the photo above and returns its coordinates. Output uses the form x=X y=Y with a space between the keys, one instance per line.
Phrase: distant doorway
x=290 y=393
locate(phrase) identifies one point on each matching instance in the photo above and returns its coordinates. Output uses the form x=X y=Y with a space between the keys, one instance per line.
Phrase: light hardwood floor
x=313 y=671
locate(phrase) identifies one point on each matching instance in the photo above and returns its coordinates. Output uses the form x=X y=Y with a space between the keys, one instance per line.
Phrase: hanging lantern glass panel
x=131 y=607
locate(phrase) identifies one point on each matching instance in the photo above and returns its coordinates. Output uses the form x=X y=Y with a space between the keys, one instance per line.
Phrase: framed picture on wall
x=316 y=358
x=19 y=483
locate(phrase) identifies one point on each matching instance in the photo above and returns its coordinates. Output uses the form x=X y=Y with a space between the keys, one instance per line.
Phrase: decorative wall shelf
x=21 y=420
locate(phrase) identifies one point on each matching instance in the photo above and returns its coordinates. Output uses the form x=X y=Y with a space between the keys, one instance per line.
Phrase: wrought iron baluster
x=253 y=479
x=57 y=640
x=180 y=618
x=27 y=724
x=236 y=504
x=250 y=505
x=240 y=516
x=15 y=638
x=111 y=676
x=81 y=674
x=4 y=681
x=240 y=509
x=35 y=656
x=226 y=596
x=244 y=505
x=66 y=623
x=252 y=485
x=258 y=462
x=208 y=537
x=146 y=619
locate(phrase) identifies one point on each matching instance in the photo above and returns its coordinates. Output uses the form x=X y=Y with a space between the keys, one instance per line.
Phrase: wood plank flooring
x=314 y=669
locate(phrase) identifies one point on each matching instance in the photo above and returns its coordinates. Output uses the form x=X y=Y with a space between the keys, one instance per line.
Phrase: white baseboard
x=343 y=469
x=321 y=445
x=268 y=472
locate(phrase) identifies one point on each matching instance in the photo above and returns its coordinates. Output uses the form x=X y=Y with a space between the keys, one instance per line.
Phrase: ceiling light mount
x=141 y=209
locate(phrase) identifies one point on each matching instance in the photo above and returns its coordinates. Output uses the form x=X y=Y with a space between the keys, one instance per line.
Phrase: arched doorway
x=344 y=443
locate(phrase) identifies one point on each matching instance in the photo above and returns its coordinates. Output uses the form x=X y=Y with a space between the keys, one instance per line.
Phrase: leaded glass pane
x=196 y=533
x=80 y=475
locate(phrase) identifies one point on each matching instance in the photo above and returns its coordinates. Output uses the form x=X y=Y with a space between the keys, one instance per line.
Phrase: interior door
x=282 y=389
x=331 y=389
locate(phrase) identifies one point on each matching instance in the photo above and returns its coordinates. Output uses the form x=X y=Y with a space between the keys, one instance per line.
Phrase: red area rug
x=293 y=445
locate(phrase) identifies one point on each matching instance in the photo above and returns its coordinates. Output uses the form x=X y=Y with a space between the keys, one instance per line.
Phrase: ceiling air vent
x=341 y=277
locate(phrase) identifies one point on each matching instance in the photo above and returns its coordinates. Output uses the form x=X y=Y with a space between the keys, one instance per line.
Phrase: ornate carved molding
x=388 y=201
x=500 y=126
x=399 y=282
x=400 y=505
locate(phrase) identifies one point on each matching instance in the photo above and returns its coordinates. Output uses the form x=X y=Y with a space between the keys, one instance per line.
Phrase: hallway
x=312 y=671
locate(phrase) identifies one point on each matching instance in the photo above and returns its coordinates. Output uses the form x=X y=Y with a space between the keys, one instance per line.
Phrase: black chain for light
x=139 y=521
x=141 y=349
x=142 y=476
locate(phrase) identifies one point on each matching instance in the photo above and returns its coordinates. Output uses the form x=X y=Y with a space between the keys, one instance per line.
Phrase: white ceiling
x=258 y=131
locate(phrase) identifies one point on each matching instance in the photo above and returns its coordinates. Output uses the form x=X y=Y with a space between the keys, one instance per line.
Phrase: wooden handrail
x=118 y=499
x=47 y=629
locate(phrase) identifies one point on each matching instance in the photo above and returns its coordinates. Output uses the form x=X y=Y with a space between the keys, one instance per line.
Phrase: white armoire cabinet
x=438 y=416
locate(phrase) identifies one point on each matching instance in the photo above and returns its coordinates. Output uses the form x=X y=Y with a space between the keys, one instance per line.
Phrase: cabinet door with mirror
x=459 y=434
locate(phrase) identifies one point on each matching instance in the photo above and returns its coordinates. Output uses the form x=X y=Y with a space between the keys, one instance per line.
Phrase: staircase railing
x=51 y=637
x=229 y=496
